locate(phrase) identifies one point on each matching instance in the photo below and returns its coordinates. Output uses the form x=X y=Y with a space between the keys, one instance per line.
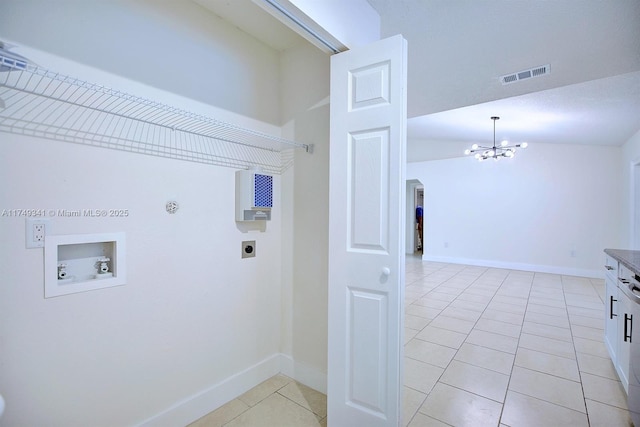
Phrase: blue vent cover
x=263 y=191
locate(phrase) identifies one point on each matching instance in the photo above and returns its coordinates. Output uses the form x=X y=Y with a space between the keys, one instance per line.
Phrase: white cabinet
x=611 y=317
x=623 y=353
x=618 y=318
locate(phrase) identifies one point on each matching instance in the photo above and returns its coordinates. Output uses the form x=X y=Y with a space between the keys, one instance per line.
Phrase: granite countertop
x=628 y=258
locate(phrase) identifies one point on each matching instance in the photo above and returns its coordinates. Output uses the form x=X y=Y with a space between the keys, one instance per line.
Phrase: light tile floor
x=494 y=347
x=279 y=401
x=483 y=347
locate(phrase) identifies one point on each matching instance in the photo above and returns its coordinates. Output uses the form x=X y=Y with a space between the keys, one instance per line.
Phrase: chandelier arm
x=481 y=148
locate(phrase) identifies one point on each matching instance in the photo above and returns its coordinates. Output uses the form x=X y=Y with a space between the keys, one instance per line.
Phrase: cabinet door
x=625 y=327
x=611 y=318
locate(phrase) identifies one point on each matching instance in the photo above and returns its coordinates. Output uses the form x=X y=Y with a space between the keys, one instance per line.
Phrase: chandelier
x=497 y=151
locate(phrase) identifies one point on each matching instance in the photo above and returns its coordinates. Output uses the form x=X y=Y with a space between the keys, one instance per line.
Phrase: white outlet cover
x=30 y=241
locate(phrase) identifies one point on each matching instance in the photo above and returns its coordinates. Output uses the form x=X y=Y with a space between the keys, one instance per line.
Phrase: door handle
x=386 y=271
x=611 y=315
x=628 y=319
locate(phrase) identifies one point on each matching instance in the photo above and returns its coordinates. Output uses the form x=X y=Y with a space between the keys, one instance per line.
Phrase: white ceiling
x=459 y=49
x=599 y=112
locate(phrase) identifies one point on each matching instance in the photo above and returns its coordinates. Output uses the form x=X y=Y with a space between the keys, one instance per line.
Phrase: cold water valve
x=103 y=267
x=62 y=271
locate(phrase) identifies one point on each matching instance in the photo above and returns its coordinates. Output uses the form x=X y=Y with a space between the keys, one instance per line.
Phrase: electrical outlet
x=248 y=249
x=36 y=230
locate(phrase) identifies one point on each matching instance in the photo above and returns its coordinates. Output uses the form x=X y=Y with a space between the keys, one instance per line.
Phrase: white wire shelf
x=38 y=102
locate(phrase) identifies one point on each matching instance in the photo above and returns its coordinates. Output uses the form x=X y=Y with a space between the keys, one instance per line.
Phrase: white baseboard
x=567 y=271
x=194 y=407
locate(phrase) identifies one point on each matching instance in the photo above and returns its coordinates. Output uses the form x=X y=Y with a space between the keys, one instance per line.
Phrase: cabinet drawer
x=611 y=265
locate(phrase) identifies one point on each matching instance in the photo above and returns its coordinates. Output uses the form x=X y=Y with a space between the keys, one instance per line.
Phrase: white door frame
x=410 y=222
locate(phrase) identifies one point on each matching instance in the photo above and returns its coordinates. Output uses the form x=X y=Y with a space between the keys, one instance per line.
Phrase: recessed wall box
x=254 y=196
x=83 y=262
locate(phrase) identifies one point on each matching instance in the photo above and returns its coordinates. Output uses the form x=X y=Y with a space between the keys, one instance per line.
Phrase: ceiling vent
x=525 y=74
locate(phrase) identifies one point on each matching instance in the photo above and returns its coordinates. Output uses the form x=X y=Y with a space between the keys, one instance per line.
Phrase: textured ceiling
x=458 y=49
x=599 y=112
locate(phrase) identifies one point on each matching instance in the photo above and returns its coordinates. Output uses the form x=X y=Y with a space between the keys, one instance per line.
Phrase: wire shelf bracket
x=38 y=102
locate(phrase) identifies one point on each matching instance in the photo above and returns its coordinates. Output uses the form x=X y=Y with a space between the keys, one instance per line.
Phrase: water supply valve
x=62 y=271
x=103 y=267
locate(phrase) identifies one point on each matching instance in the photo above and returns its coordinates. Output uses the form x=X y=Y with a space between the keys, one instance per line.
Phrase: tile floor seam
x=515 y=355
x=584 y=395
x=467 y=335
x=291 y=400
x=550 y=403
x=416 y=412
x=465 y=341
x=239 y=415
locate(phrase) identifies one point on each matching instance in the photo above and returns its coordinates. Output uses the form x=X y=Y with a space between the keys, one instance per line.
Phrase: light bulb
x=504 y=143
x=467 y=152
x=474 y=147
x=509 y=153
x=524 y=145
x=491 y=153
x=477 y=156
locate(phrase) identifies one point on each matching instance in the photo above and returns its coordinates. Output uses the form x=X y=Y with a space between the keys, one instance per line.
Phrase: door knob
x=386 y=271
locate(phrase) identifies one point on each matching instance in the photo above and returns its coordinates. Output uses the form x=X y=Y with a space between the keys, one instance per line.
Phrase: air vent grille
x=525 y=74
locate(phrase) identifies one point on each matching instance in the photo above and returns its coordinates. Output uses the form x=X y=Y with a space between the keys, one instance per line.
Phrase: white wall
x=420 y=150
x=195 y=325
x=305 y=74
x=176 y=45
x=630 y=157
x=191 y=315
x=528 y=213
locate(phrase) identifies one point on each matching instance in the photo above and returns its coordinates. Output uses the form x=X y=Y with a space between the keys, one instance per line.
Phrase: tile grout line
x=513 y=364
x=486 y=269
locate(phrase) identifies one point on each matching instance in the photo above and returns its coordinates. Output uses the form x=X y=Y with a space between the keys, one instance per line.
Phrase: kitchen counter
x=628 y=258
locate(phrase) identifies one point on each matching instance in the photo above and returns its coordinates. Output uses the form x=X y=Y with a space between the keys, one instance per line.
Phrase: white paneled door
x=367 y=237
